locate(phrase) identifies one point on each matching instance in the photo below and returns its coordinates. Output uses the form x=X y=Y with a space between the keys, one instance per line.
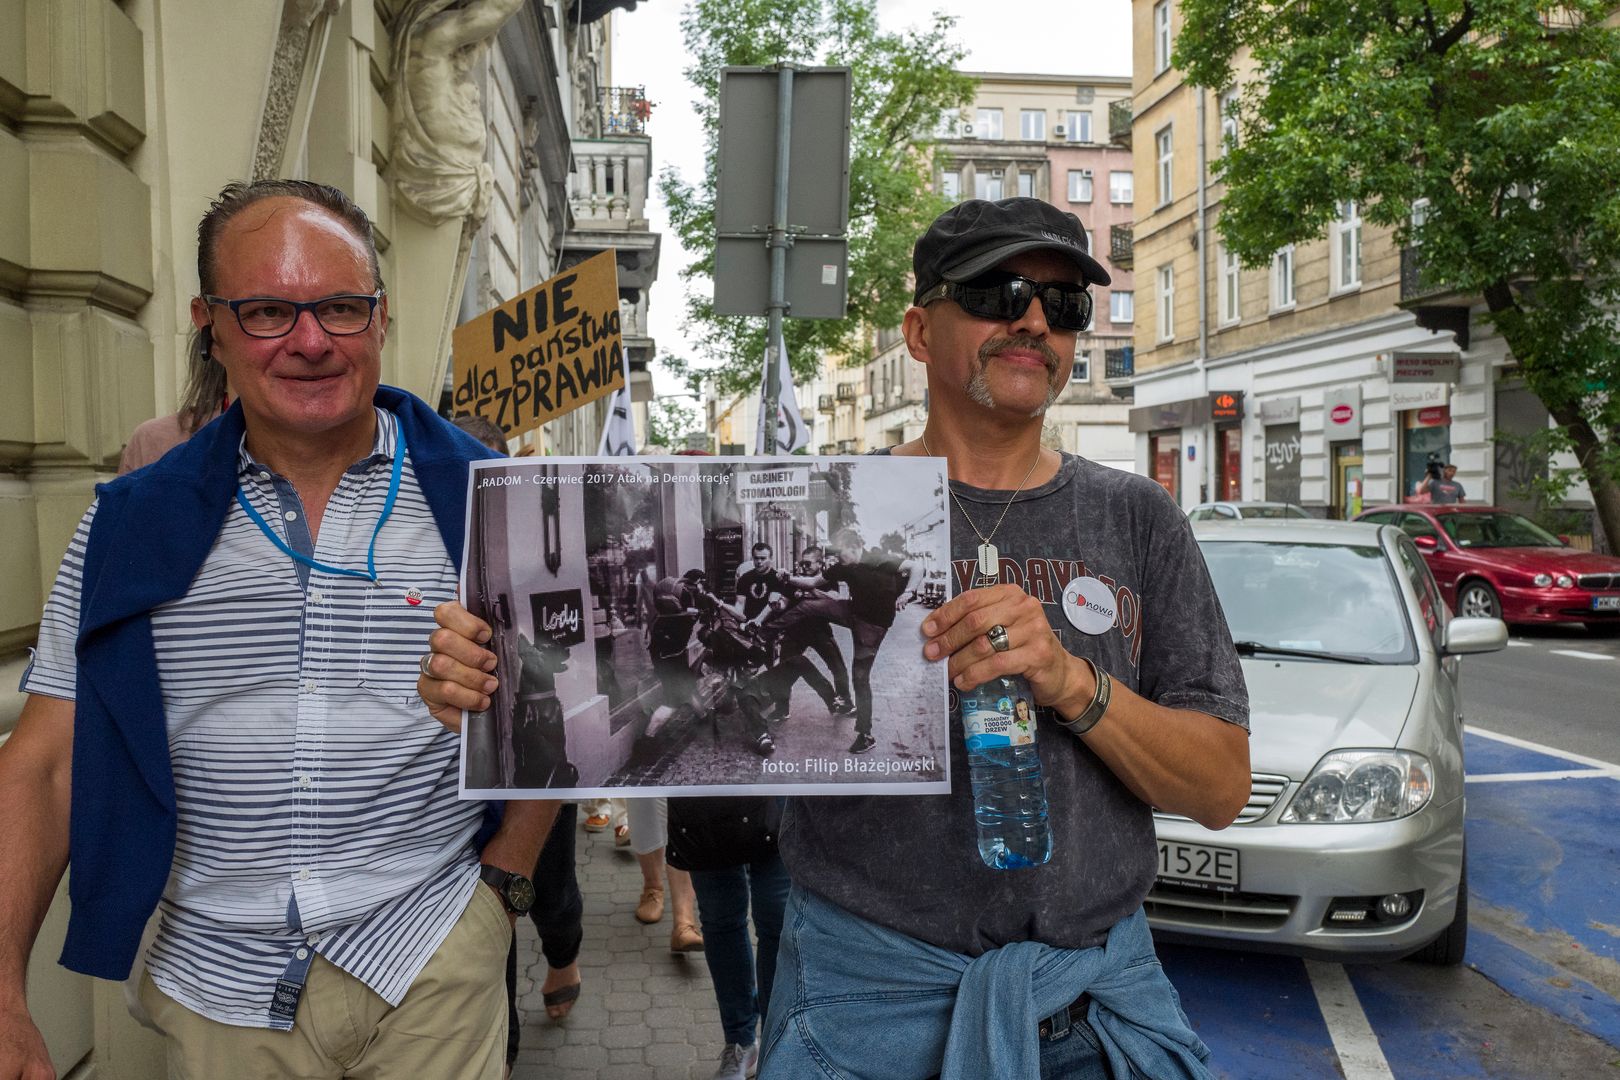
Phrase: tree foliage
x=669 y=421
x=900 y=83
x=1498 y=119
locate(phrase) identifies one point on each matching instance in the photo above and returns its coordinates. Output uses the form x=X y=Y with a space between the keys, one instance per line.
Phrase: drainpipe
x=1203 y=289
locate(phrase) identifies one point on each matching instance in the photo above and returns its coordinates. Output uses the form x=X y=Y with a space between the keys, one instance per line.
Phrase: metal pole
x=777 y=242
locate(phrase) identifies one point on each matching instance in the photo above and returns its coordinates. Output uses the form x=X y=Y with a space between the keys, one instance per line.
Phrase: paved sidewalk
x=642 y=1014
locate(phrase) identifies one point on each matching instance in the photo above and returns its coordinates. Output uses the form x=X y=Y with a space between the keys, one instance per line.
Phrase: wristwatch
x=1099 y=702
x=517 y=891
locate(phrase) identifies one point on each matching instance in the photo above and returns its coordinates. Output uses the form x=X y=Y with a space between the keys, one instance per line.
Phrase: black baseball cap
x=978 y=235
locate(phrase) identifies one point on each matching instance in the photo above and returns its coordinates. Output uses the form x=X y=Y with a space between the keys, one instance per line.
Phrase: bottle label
x=994 y=720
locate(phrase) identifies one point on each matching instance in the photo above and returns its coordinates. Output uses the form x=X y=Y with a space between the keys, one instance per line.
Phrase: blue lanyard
x=370 y=573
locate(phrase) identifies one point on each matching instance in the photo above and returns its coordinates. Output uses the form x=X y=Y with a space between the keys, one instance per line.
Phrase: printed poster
x=690 y=626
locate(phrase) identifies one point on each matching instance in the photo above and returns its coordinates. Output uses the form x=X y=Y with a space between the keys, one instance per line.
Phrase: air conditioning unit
x=967 y=131
x=1060 y=132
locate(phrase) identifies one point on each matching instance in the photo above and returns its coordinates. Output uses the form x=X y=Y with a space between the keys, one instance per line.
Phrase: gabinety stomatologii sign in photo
x=682 y=626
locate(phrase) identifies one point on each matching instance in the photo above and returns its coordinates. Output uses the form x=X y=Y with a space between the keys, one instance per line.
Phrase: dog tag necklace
x=989 y=557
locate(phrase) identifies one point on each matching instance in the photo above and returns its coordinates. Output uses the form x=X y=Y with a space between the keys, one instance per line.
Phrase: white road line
x=1519 y=777
x=1579 y=655
x=1551 y=751
x=1360 y=1056
x=1513 y=644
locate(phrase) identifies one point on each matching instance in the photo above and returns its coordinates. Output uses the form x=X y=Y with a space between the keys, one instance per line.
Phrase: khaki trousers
x=451 y=1024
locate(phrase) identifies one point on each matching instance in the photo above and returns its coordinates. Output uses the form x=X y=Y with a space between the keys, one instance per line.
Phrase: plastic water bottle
x=1009 y=796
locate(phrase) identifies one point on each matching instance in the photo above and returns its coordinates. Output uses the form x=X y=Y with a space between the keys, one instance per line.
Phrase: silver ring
x=998 y=638
x=422 y=666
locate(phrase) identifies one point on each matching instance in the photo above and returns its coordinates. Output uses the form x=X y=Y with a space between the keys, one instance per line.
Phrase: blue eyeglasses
x=273 y=317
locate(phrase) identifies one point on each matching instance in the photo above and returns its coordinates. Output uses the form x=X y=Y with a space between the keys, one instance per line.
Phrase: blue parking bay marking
x=1544 y=871
x=1257 y=1013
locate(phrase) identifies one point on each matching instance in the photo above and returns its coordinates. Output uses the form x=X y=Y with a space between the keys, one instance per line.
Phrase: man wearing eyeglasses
x=221 y=714
x=1096 y=594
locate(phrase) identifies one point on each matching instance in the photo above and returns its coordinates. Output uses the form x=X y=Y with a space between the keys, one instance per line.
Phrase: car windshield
x=1273 y=512
x=1317 y=598
x=1495 y=530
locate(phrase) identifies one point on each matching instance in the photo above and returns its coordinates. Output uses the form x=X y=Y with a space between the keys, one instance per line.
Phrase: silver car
x=1247 y=511
x=1351 y=846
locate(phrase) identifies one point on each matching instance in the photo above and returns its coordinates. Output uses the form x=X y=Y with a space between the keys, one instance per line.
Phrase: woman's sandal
x=559 y=1002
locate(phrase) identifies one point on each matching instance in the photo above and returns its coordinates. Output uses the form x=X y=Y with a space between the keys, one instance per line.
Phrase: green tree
x=669 y=419
x=901 y=83
x=1498 y=119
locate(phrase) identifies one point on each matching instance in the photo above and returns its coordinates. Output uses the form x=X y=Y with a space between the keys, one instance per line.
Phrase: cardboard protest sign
x=545 y=352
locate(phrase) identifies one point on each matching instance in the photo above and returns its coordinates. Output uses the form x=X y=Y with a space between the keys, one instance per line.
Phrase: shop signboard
x=1283 y=410
x=1403 y=396
x=1341 y=413
x=1423 y=367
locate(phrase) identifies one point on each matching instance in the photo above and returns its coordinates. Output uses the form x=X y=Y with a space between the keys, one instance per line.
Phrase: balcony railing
x=1121 y=246
x=1415 y=284
x=827 y=449
x=848 y=391
x=1119 y=121
x=1119 y=363
x=610 y=180
x=825 y=403
x=624 y=110
x=848 y=446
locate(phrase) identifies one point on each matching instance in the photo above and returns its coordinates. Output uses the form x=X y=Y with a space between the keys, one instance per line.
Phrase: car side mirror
x=1464 y=636
x=1427 y=543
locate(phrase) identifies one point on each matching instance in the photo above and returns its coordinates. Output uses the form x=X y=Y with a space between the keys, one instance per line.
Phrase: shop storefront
x=1341 y=430
x=1423 y=420
x=1226 y=410
x=1164 y=460
x=1279 y=418
x=1175 y=429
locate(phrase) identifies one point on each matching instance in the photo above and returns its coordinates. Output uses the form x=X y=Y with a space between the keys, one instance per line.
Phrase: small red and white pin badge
x=1089 y=605
x=413 y=596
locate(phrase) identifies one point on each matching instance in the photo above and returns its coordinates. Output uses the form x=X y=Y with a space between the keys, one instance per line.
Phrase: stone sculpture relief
x=437 y=164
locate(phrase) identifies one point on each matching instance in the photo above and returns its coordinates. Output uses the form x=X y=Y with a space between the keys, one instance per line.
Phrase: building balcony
x=608 y=187
x=848 y=391
x=1119 y=121
x=849 y=446
x=826 y=403
x=827 y=449
x=623 y=110
x=1119 y=365
x=1121 y=246
x=1436 y=305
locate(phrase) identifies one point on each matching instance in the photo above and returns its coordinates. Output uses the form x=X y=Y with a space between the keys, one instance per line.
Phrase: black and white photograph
x=692 y=625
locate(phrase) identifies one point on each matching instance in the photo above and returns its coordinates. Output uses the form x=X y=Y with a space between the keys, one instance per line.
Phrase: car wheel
x=1447 y=949
x=1477 y=600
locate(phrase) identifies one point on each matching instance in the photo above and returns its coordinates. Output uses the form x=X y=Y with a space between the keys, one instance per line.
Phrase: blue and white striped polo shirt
x=317 y=797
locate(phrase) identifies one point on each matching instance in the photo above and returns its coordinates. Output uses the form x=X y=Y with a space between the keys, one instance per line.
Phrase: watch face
x=520 y=893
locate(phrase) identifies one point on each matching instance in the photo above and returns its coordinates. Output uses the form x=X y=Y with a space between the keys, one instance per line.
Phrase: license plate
x=1195 y=864
x=1606 y=603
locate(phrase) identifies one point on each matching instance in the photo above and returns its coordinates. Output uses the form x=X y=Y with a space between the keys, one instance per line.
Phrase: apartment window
x=1167 y=303
x=987 y=183
x=1161 y=37
x=1032 y=124
x=987 y=123
x=1081 y=373
x=1120 y=187
x=1026 y=184
x=950 y=185
x=1230 y=282
x=1420 y=214
x=1229 y=122
x=1121 y=306
x=1347 y=247
x=1282 y=278
x=1166 y=148
x=1079 y=185
x=1078 y=126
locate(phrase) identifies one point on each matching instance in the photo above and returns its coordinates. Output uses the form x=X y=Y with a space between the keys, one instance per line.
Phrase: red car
x=1494 y=563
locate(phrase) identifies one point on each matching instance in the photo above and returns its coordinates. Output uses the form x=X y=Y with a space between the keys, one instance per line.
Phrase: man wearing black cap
x=903 y=955
x=1099 y=598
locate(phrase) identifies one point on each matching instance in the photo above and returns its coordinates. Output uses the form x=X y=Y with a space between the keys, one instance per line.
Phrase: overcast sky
x=1060 y=37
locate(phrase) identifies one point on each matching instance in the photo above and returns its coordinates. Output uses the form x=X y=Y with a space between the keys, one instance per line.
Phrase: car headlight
x=1541 y=581
x=1565 y=581
x=1362 y=785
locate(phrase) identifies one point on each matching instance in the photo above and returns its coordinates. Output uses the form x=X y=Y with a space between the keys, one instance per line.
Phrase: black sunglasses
x=1004 y=296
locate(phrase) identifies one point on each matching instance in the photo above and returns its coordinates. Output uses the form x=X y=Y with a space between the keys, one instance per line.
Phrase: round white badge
x=1089 y=605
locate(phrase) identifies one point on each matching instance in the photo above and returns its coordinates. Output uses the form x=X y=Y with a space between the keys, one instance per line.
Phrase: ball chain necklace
x=989 y=557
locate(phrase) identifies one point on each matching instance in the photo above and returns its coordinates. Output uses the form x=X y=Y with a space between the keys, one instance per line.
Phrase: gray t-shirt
x=1445 y=492
x=912 y=863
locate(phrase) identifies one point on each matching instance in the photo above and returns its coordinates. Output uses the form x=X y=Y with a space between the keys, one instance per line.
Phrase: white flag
x=619 y=433
x=791 y=433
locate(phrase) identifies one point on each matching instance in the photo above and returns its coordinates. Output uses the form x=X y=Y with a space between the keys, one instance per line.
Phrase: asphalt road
x=1539 y=994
